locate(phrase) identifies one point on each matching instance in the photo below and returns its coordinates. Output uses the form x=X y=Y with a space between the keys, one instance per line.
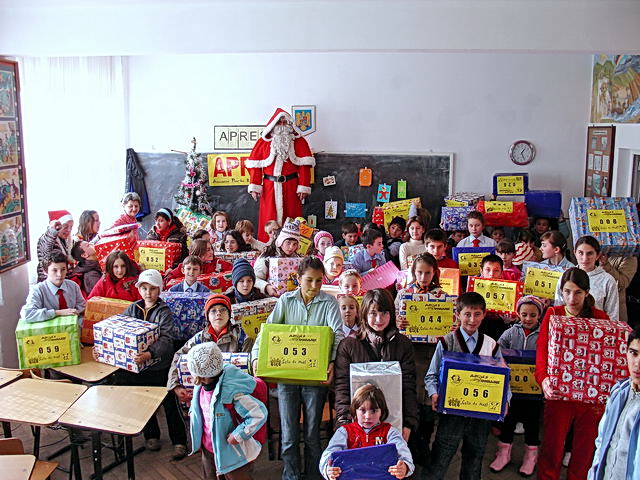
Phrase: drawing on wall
x=615 y=89
x=8 y=144
x=7 y=94
x=10 y=198
x=12 y=241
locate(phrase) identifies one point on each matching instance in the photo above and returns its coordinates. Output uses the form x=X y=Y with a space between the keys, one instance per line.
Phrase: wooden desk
x=122 y=410
x=8 y=376
x=88 y=370
x=17 y=467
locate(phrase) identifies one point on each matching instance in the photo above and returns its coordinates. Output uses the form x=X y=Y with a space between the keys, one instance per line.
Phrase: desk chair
x=41 y=470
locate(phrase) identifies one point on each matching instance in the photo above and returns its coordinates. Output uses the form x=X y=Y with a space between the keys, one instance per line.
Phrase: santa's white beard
x=281 y=139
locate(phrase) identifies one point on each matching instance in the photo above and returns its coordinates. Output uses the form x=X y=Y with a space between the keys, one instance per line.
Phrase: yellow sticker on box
x=429 y=318
x=474 y=391
x=541 y=283
x=510 y=185
x=448 y=285
x=47 y=349
x=294 y=350
x=523 y=379
x=497 y=294
x=469 y=263
x=607 y=221
x=455 y=203
x=498 y=207
x=251 y=323
x=152 y=257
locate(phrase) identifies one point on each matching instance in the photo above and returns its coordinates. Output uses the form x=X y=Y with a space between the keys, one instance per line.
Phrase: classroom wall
x=13 y=293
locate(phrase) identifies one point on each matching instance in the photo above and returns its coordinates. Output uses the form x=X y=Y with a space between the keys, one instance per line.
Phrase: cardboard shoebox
x=98 y=309
x=463 y=199
x=473 y=386
x=586 y=357
x=455 y=218
x=283 y=273
x=240 y=360
x=124 y=242
x=251 y=315
x=544 y=203
x=297 y=354
x=430 y=315
x=522 y=364
x=120 y=338
x=387 y=376
x=216 y=282
x=187 y=310
x=158 y=255
x=371 y=463
x=380 y=277
x=53 y=343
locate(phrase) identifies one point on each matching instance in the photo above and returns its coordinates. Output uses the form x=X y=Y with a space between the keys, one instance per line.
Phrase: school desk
x=120 y=410
x=17 y=467
x=8 y=376
x=88 y=370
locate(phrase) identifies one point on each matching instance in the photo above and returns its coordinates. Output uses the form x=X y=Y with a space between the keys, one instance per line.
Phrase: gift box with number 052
x=158 y=255
x=430 y=315
x=251 y=315
x=523 y=368
x=98 y=309
x=53 y=343
x=187 y=310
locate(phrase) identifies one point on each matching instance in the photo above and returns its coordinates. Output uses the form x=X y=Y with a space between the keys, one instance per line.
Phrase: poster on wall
x=615 y=89
x=14 y=236
x=600 y=144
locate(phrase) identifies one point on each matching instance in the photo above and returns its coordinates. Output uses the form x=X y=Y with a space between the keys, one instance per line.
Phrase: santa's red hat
x=63 y=216
x=273 y=121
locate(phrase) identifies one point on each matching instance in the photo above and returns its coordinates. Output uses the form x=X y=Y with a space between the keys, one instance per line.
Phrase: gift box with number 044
x=187 y=309
x=523 y=368
x=283 y=273
x=387 y=376
x=53 y=343
x=370 y=463
x=98 y=309
x=158 y=255
x=586 y=357
x=613 y=221
x=473 y=386
x=250 y=315
x=430 y=315
x=240 y=360
x=297 y=354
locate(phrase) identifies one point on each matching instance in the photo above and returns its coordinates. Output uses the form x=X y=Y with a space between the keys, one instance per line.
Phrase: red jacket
x=358 y=438
x=543 y=338
x=123 y=289
x=447 y=262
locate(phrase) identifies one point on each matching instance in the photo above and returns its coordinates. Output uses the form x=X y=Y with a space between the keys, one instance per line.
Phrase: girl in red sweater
x=559 y=414
x=119 y=279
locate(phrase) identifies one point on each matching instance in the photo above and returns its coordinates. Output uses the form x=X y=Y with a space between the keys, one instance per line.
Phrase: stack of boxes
x=98 y=309
x=251 y=315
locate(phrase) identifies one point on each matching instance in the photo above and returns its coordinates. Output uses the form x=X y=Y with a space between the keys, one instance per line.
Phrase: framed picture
x=304 y=117
x=599 y=162
x=14 y=233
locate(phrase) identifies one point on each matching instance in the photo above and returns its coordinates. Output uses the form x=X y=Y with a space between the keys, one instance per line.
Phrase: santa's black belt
x=281 y=178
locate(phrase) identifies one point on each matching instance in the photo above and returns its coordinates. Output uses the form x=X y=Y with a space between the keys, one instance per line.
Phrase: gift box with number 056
x=53 y=343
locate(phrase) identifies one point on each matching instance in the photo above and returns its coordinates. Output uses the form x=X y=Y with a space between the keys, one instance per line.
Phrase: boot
x=503 y=457
x=529 y=461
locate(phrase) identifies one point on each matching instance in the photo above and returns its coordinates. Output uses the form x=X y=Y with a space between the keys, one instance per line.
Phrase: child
x=131 y=206
x=272 y=228
x=169 y=228
x=623 y=271
x=415 y=246
x=521 y=336
x=526 y=249
x=244 y=279
x=350 y=283
x=119 y=279
x=209 y=263
x=87 y=271
x=350 y=313
x=286 y=245
x=350 y=235
x=54 y=297
x=369 y=411
x=219 y=224
x=306 y=305
x=553 y=246
x=618 y=431
x=191 y=267
x=222 y=390
x=88 y=226
x=321 y=241
x=333 y=263
x=475 y=225
x=245 y=227
x=201 y=234
x=436 y=242
x=559 y=414
x=57 y=238
x=453 y=429
x=497 y=233
x=506 y=250
x=491 y=267
x=394 y=239
x=233 y=242
x=541 y=225
x=372 y=256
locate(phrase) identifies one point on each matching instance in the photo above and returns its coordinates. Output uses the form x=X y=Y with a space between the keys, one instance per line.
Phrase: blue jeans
x=290 y=399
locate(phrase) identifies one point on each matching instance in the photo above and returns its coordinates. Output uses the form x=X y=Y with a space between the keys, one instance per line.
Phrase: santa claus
x=280 y=171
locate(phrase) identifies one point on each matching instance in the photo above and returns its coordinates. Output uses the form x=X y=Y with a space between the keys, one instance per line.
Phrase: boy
x=272 y=229
x=54 y=297
x=349 y=235
x=245 y=227
x=372 y=256
x=191 y=266
x=453 y=429
x=491 y=267
x=506 y=250
x=475 y=225
x=436 y=242
x=541 y=225
x=87 y=272
x=497 y=234
x=394 y=240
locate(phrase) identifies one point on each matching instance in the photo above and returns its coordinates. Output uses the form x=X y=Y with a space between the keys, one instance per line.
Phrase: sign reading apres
x=236 y=137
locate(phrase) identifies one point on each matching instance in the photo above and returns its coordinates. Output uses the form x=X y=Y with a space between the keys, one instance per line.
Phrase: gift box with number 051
x=251 y=315
x=98 y=309
x=523 y=368
x=430 y=315
x=53 y=343
x=187 y=310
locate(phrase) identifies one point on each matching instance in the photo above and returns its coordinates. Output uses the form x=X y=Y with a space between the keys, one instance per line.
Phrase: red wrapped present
x=586 y=357
x=98 y=309
x=158 y=255
x=216 y=282
x=504 y=214
x=124 y=242
x=501 y=296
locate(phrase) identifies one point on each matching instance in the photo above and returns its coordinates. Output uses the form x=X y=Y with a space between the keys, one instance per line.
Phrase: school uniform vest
x=454 y=342
x=358 y=438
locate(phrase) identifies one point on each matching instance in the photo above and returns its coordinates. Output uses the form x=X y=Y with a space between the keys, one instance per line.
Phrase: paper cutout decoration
x=330 y=209
x=366 y=177
x=402 y=189
x=312 y=221
x=384 y=193
x=329 y=180
x=378 y=216
x=356 y=210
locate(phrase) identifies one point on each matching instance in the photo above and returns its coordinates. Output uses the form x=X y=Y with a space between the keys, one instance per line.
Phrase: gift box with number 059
x=53 y=343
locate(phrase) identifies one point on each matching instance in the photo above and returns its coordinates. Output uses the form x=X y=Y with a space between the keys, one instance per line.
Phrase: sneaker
x=519 y=428
x=179 y=452
x=566 y=459
x=153 y=444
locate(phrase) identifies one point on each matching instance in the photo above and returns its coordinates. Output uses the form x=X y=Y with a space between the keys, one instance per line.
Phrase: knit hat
x=531 y=300
x=524 y=252
x=333 y=252
x=289 y=230
x=205 y=360
x=217 y=299
x=152 y=277
x=242 y=268
x=322 y=234
x=63 y=216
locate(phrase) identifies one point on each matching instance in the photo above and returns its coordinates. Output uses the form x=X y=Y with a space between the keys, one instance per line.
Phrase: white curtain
x=75 y=129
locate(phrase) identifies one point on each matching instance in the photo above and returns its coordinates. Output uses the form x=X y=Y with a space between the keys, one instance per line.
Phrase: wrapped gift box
x=187 y=310
x=371 y=463
x=296 y=354
x=522 y=364
x=124 y=242
x=586 y=357
x=501 y=295
x=119 y=229
x=613 y=221
x=192 y=221
x=98 y=309
x=470 y=258
x=231 y=257
x=463 y=199
x=473 y=386
x=510 y=183
x=350 y=252
x=216 y=282
x=283 y=273
x=430 y=315
x=380 y=277
x=158 y=255
x=240 y=360
x=504 y=214
x=387 y=376
x=250 y=315
x=455 y=218
x=54 y=343
x=120 y=338
x=544 y=203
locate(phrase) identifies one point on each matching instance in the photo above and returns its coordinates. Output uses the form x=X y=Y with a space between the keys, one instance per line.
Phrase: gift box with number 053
x=98 y=309
x=296 y=354
x=504 y=214
x=613 y=221
x=187 y=310
x=387 y=376
x=123 y=242
x=523 y=368
x=240 y=360
x=473 y=386
x=371 y=463
x=501 y=296
x=430 y=315
x=53 y=343
x=283 y=273
x=251 y=315
x=586 y=357
x=158 y=255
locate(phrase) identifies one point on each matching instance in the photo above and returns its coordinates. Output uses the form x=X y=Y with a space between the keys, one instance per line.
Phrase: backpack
x=260 y=392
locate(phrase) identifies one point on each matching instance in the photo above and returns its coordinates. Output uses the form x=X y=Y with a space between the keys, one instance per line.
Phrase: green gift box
x=54 y=343
x=297 y=354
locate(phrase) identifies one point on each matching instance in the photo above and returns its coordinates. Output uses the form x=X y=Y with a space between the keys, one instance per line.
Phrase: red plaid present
x=98 y=309
x=216 y=282
x=586 y=357
x=124 y=242
x=158 y=255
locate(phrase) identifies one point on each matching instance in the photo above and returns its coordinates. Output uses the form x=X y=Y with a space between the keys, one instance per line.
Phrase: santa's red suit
x=279 y=180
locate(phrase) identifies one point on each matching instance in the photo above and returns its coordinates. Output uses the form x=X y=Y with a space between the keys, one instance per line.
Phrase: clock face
x=522 y=152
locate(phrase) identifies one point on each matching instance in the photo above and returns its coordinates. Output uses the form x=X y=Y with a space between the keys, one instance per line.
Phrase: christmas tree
x=192 y=192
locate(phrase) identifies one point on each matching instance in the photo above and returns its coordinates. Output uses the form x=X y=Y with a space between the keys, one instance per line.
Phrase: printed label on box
x=455 y=203
x=448 y=285
x=470 y=263
x=510 y=185
x=498 y=207
x=474 y=391
x=541 y=283
x=607 y=221
x=152 y=258
x=294 y=350
x=429 y=318
x=523 y=379
x=251 y=323
x=47 y=349
x=498 y=295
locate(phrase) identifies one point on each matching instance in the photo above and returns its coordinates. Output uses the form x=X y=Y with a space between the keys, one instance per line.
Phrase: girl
x=203 y=234
x=521 y=336
x=378 y=340
x=169 y=228
x=88 y=226
x=350 y=313
x=526 y=249
x=350 y=283
x=286 y=245
x=415 y=246
x=553 y=247
x=333 y=264
x=131 y=206
x=321 y=241
x=223 y=393
x=210 y=264
x=541 y=225
x=219 y=225
x=498 y=234
x=369 y=409
x=560 y=414
x=118 y=280
x=233 y=242
x=245 y=227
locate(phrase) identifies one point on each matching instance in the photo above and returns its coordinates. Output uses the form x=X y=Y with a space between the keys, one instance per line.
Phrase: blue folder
x=368 y=463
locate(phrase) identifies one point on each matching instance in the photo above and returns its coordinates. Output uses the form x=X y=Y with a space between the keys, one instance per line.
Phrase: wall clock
x=522 y=152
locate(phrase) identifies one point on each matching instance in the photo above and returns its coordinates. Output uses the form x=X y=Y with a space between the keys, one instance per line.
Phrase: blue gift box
x=456 y=251
x=455 y=218
x=473 y=386
x=525 y=181
x=544 y=203
x=370 y=463
x=522 y=364
x=187 y=310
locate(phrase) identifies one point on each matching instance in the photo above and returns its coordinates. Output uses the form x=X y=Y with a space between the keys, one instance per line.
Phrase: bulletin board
x=599 y=162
